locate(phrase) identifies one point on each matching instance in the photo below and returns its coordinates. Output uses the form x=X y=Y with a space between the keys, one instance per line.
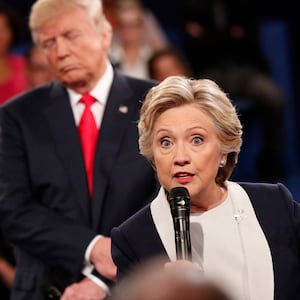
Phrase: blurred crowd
x=19 y=72
x=216 y=39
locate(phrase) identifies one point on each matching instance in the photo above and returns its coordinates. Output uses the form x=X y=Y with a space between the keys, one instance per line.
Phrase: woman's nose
x=181 y=155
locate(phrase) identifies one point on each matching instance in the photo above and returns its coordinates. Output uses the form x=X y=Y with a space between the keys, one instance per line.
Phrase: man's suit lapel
x=119 y=111
x=61 y=122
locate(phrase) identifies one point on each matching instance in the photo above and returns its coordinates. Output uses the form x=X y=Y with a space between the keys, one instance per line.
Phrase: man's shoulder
x=140 y=81
x=134 y=82
x=34 y=97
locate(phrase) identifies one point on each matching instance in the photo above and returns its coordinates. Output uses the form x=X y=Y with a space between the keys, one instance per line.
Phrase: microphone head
x=179 y=198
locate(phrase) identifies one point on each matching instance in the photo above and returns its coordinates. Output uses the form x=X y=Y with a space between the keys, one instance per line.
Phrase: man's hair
x=43 y=11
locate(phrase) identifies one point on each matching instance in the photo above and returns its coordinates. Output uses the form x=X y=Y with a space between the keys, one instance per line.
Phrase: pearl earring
x=222 y=164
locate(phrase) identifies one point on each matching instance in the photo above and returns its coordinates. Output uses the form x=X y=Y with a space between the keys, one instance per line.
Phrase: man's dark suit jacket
x=45 y=210
x=137 y=239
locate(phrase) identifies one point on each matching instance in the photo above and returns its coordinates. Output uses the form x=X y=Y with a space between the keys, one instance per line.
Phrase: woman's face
x=5 y=35
x=187 y=151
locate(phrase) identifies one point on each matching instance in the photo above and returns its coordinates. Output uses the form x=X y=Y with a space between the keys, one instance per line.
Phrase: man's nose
x=62 y=47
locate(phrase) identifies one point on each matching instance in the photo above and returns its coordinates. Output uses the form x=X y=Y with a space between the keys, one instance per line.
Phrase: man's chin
x=79 y=85
x=71 y=81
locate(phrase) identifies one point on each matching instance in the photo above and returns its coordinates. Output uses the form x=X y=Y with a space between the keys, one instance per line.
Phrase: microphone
x=179 y=200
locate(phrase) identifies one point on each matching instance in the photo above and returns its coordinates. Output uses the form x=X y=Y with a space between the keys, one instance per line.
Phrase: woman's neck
x=217 y=197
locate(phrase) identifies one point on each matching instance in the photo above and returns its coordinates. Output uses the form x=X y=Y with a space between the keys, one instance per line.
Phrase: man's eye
x=49 y=44
x=72 y=35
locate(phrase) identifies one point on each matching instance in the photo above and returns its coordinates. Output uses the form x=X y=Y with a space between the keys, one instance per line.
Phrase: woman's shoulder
x=140 y=218
x=262 y=187
x=265 y=195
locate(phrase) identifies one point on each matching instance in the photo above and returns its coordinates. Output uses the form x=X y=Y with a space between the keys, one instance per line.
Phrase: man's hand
x=101 y=258
x=86 y=289
x=7 y=272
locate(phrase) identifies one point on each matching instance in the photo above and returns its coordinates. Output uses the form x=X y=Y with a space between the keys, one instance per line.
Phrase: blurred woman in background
x=12 y=66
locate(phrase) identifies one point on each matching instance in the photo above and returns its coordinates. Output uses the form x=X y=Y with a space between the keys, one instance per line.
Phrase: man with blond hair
x=64 y=186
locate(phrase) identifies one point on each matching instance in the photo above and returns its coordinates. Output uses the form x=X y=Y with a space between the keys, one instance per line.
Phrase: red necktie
x=88 y=132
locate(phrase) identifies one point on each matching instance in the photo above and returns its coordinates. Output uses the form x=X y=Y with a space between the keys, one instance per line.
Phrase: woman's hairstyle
x=177 y=91
x=44 y=10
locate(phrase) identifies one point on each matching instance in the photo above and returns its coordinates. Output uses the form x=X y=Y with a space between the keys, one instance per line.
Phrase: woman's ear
x=153 y=164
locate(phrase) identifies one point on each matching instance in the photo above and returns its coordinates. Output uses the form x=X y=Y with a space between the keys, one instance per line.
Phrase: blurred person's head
x=75 y=37
x=11 y=32
x=168 y=62
x=38 y=69
x=150 y=281
x=109 y=8
x=130 y=26
x=190 y=132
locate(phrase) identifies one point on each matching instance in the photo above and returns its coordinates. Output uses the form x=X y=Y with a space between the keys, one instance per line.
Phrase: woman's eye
x=165 y=143
x=197 y=140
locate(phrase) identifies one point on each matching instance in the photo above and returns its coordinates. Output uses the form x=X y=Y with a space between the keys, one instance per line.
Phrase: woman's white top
x=227 y=242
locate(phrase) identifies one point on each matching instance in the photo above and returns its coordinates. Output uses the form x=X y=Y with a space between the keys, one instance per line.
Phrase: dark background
x=280 y=43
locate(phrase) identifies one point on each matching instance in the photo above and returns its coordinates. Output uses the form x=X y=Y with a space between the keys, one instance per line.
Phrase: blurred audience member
x=136 y=35
x=12 y=67
x=110 y=9
x=150 y=281
x=222 y=43
x=168 y=62
x=12 y=82
x=38 y=70
x=7 y=268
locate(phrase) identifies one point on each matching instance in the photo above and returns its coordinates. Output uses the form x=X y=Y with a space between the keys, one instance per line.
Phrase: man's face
x=75 y=49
